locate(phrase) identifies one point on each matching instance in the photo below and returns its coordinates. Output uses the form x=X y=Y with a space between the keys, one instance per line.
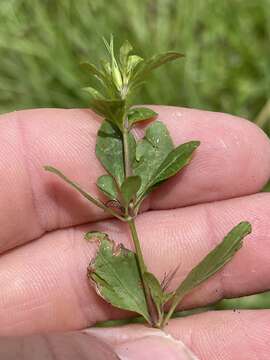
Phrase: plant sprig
x=134 y=169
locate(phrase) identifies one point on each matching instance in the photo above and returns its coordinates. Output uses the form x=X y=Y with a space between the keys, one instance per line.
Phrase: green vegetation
x=135 y=167
x=226 y=45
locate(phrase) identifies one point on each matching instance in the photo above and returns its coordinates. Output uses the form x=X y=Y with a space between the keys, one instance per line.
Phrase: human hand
x=44 y=287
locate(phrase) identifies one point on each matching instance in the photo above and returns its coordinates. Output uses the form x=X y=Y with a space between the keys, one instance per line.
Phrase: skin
x=43 y=257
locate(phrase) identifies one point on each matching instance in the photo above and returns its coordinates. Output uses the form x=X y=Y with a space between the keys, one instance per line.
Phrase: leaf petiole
x=84 y=193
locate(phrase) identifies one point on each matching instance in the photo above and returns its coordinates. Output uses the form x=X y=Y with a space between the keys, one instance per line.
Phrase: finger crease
x=27 y=165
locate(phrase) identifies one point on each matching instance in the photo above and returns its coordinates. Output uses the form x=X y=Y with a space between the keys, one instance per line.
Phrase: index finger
x=233 y=160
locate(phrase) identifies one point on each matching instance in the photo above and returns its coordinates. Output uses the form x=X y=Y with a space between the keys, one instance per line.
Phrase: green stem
x=263 y=115
x=126 y=153
x=137 y=245
x=175 y=301
x=142 y=267
x=128 y=170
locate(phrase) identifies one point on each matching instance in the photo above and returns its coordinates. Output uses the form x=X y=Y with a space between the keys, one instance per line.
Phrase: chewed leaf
x=95 y=235
x=175 y=161
x=216 y=259
x=130 y=187
x=140 y=114
x=151 y=151
x=109 y=151
x=116 y=275
x=107 y=185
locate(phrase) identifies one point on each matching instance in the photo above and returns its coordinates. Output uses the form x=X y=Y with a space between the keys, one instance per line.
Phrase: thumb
x=135 y=342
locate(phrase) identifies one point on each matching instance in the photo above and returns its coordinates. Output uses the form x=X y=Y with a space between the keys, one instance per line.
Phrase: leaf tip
x=49 y=168
x=93 y=236
x=246 y=226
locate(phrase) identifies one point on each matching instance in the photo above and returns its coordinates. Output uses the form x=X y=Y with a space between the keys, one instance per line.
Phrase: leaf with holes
x=151 y=151
x=116 y=276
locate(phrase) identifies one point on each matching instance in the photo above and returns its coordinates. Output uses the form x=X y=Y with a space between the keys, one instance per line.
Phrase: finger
x=220 y=335
x=68 y=346
x=44 y=286
x=233 y=160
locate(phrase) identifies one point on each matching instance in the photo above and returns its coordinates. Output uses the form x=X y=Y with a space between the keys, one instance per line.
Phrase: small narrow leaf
x=155 y=290
x=132 y=63
x=216 y=259
x=92 y=70
x=212 y=263
x=116 y=275
x=95 y=235
x=175 y=161
x=93 y=92
x=155 y=62
x=140 y=114
x=109 y=151
x=130 y=187
x=125 y=49
x=115 y=71
x=107 y=185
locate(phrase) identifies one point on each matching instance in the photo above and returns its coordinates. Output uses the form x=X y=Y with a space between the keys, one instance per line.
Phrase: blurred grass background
x=226 y=42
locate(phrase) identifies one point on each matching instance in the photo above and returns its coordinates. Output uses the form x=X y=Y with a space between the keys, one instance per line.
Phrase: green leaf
x=140 y=114
x=155 y=290
x=93 y=70
x=112 y=110
x=115 y=71
x=107 y=185
x=93 y=92
x=95 y=235
x=104 y=76
x=151 y=151
x=130 y=187
x=133 y=61
x=109 y=151
x=216 y=259
x=124 y=51
x=175 y=161
x=117 y=278
x=155 y=62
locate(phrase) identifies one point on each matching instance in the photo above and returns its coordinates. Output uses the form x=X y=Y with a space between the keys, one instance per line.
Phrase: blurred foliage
x=226 y=42
x=227 y=64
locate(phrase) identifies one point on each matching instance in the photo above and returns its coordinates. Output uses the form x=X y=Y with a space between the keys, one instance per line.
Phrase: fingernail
x=154 y=347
